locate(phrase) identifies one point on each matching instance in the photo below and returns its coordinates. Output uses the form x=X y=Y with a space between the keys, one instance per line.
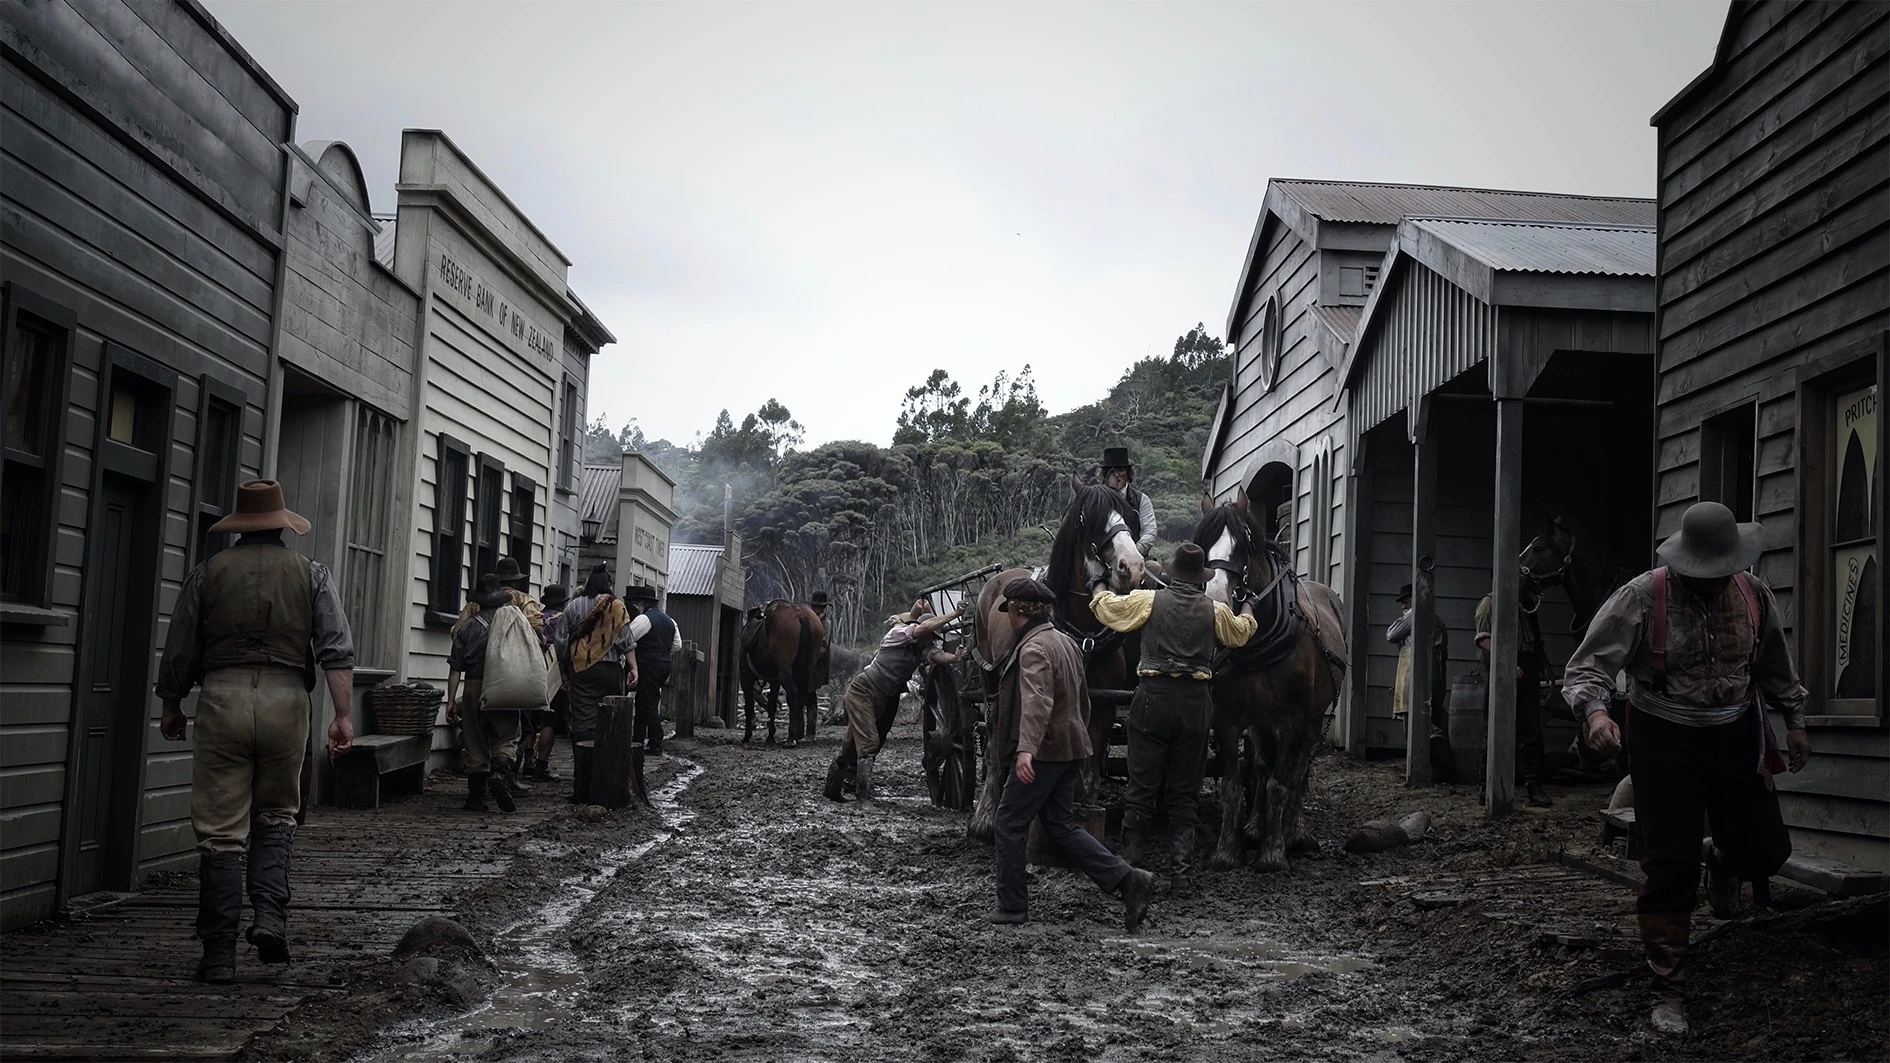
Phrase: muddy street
x=749 y=918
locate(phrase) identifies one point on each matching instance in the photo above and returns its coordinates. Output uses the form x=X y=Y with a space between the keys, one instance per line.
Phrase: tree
x=933 y=410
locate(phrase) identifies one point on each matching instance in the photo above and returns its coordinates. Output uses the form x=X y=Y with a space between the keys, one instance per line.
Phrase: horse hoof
x=1253 y=836
x=1223 y=862
x=1268 y=865
x=1305 y=843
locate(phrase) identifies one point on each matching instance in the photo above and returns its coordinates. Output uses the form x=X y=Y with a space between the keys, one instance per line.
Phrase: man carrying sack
x=1042 y=739
x=504 y=667
x=1701 y=641
x=251 y=625
x=1169 y=716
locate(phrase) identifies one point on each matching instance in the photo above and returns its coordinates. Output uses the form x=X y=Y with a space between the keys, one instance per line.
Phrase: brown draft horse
x=1096 y=540
x=789 y=651
x=1274 y=691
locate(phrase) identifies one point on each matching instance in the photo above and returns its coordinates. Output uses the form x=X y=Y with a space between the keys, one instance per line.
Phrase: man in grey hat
x=1117 y=470
x=251 y=626
x=1701 y=642
x=1042 y=739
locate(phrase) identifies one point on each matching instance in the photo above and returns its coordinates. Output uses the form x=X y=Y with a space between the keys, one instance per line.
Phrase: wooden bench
x=401 y=759
x=1828 y=876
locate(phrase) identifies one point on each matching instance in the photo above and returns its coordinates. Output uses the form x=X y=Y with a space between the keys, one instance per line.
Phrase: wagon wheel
x=951 y=753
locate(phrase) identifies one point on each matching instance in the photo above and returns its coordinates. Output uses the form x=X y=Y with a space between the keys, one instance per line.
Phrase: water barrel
x=1469 y=726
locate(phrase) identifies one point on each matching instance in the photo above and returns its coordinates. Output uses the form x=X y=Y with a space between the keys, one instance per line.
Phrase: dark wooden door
x=116 y=641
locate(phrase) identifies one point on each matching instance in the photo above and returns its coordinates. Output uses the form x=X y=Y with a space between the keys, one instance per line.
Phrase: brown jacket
x=1043 y=699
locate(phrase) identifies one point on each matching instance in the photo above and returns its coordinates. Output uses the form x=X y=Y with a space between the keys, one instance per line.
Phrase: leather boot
x=269 y=849
x=1136 y=890
x=476 y=792
x=1722 y=886
x=836 y=778
x=863 y=780
x=495 y=785
x=514 y=778
x=581 y=774
x=1135 y=845
x=219 y=914
x=1532 y=781
x=1181 y=861
x=541 y=769
x=527 y=759
x=1664 y=936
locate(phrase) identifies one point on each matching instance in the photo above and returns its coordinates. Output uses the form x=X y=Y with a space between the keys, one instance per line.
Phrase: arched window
x=1319 y=518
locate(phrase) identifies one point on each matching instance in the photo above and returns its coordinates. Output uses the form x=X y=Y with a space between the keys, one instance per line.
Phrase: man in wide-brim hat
x=1117 y=470
x=1705 y=654
x=658 y=640
x=247 y=626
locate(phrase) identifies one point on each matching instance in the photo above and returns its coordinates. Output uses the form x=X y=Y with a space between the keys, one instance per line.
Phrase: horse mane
x=1248 y=535
x=1092 y=506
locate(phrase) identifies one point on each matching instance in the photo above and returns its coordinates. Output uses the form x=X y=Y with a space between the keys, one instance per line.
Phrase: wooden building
x=1316 y=257
x=1501 y=371
x=626 y=514
x=1774 y=300
x=707 y=592
x=583 y=339
x=145 y=186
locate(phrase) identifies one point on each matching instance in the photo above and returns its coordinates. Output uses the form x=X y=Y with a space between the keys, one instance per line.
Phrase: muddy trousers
x=246 y=770
x=1051 y=798
x=652 y=677
x=1685 y=777
x=1168 y=737
x=488 y=735
x=862 y=703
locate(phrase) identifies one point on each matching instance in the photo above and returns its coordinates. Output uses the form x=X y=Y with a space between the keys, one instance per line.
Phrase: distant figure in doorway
x=251 y=626
x=1399 y=635
x=1532 y=666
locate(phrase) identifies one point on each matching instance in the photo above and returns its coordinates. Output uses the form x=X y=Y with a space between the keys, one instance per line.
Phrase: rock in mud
x=437 y=935
x=444 y=961
x=1382 y=834
x=593 y=813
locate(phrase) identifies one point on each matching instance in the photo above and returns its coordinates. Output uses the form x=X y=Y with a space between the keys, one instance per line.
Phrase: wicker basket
x=405 y=708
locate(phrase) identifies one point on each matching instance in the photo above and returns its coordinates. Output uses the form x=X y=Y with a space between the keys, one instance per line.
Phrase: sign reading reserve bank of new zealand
x=485 y=301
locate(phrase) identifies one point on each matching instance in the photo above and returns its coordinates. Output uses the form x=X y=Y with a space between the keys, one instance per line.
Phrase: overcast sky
x=823 y=202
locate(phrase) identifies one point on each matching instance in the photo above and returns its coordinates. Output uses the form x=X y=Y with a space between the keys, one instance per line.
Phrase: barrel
x=1469 y=726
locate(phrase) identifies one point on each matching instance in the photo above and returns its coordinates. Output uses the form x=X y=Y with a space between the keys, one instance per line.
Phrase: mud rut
x=763 y=922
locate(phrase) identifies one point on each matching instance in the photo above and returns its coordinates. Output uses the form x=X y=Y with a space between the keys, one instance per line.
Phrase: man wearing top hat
x=1117 y=470
x=252 y=625
x=658 y=640
x=1705 y=653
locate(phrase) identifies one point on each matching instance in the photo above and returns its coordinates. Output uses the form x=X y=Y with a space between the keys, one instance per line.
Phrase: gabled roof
x=597 y=501
x=1736 y=13
x=692 y=569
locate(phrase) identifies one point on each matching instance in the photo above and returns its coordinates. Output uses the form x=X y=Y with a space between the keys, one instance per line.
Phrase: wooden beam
x=1505 y=618
x=1417 y=735
x=1358 y=576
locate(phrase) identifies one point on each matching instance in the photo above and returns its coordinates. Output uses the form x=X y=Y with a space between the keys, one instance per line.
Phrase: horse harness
x=1274 y=643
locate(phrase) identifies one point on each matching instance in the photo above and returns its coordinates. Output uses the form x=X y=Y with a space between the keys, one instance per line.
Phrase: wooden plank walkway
x=117 y=983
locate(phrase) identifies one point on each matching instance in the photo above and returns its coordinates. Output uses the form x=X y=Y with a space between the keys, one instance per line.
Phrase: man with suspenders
x=1702 y=645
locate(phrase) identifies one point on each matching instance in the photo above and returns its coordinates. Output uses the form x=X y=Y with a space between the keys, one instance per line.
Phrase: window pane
x=123 y=426
x=29 y=374
x=216 y=464
x=1855 y=540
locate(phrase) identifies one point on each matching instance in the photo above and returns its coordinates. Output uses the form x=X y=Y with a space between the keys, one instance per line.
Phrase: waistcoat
x=258 y=608
x=654 y=646
x=1179 y=636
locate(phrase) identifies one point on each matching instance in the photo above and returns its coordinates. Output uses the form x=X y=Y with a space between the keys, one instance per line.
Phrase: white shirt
x=641 y=627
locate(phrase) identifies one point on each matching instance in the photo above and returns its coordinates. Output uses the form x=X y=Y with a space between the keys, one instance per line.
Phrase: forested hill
x=970 y=479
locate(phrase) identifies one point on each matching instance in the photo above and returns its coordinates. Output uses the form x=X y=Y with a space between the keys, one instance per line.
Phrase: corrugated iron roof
x=1342 y=320
x=1353 y=201
x=1535 y=247
x=384 y=243
x=692 y=569
x=597 y=500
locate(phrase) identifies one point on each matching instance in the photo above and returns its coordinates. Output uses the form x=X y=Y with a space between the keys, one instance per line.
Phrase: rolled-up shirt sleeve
x=1774 y=670
x=1400 y=629
x=182 y=662
x=1613 y=637
x=329 y=632
x=1122 y=612
x=1233 y=629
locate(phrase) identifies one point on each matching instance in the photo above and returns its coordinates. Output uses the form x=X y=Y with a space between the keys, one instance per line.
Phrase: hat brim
x=240 y=523
x=1682 y=560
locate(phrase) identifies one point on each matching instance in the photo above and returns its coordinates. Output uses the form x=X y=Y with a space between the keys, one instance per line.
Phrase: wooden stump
x=611 y=768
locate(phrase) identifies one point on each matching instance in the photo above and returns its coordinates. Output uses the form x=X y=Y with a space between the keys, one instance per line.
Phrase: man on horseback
x=1117 y=472
x=1172 y=708
x=911 y=641
x=1701 y=640
x=1043 y=735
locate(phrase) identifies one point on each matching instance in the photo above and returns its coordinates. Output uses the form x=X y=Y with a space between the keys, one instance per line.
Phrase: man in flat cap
x=1042 y=739
x=1701 y=641
x=252 y=625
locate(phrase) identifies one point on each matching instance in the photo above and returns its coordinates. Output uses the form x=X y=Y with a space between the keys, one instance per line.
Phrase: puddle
x=1267 y=958
x=539 y=975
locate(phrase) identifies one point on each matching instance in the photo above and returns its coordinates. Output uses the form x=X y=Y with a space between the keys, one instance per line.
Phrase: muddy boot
x=269 y=849
x=476 y=792
x=495 y=785
x=863 y=779
x=219 y=914
x=1135 y=845
x=541 y=769
x=1006 y=917
x=514 y=778
x=836 y=780
x=1532 y=782
x=527 y=761
x=1136 y=891
x=1664 y=936
x=1722 y=885
x=1181 y=861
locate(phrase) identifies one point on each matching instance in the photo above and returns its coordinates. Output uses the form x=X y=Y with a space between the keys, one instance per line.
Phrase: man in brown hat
x=1701 y=642
x=1117 y=470
x=1169 y=716
x=1042 y=739
x=251 y=627
x=910 y=641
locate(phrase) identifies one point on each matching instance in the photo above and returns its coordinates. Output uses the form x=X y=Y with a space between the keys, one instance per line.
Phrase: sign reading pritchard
x=506 y=319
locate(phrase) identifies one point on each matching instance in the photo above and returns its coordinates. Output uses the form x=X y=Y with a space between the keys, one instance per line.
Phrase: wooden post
x=1417 y=731
x=682 y=691
x=1358 y=576
x=611 y=766
x=1499 y=775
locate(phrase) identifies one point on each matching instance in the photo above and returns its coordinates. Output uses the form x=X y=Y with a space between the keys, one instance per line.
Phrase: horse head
x=1099 y=529
x=1239 y=555
x=1549 y=557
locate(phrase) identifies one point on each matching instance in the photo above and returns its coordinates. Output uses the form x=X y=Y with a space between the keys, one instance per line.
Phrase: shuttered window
x=369 y=603
x=449 y=529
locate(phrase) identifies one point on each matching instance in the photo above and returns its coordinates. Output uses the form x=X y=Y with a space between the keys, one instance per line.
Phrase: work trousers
x=862 y=703
x=1051 y=798
x=1686 y=776
x=246 y=770
x=652 y=677
x=585 y=695
x=486 y=734
x=1168 y=736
